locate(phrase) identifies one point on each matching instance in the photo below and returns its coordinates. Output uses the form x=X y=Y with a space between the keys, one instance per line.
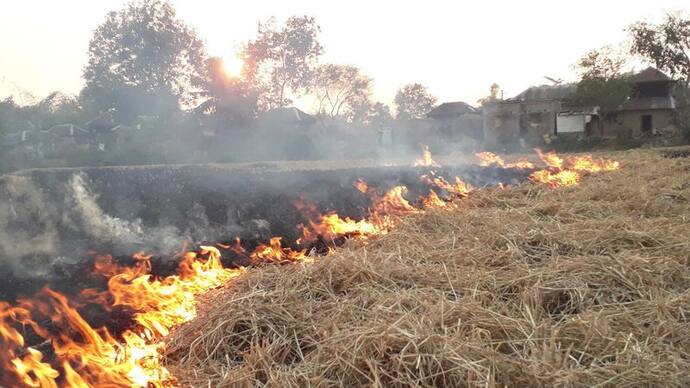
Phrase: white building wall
x=571 y=123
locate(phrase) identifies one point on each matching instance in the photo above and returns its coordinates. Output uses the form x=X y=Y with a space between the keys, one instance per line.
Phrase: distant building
x=290 y=132
x=286 y=118
x=62 y=137
x=540 y=112
x=452 y=120
x=522 y=120
x=648 y=111
x=547 y=92
x=116 y=136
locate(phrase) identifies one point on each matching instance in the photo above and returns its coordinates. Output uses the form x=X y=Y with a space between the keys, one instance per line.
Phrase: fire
x=489 y=158
x=276 y=253
x=426 y=160
x=332 y=226
x=556 y=179
x=568 y=171
x=550 y=159
x=433 y=200
x=459 y=188
x=361 y=185
x=83 y=356
x=91 y=357
x=587 y=163
x=559 y=172
x=33 y=371
x=394 y=202
x=384 y=207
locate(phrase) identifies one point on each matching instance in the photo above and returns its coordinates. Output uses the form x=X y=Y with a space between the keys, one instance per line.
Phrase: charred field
x=584 y=285
x=57 y=220
x=569 y=274
x=100 y=263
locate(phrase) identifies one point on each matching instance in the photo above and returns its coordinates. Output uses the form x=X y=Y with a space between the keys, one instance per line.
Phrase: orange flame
x=559 y=172
x=459 y=188
x=489 y=158
x=550 y=159
x=426 y=160
x=588 y=164
x=432 y=200
x=86 y=357
x=361 y=185
x=568 y=171
x=556 y=179
x=276 y=253
x=394 y=202
x=93 y=357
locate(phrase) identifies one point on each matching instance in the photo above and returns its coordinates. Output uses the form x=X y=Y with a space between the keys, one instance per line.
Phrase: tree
x=59 y=108
x=340 y=90
x=379 y=115
x=494 y=92
x=143 y=52
x=231 y=100
x=283 y=59
x=11 y=116
x=58 y=102
x=56 y=108
x=602 y=82
x=667 y=45
x=606 y=93
x=604 y=63
x=413 y=101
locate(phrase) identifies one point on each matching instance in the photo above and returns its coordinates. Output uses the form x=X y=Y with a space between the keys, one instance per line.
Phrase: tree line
x=145 y=60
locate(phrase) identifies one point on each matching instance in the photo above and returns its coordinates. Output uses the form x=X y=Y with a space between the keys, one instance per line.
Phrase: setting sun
x=232 y=65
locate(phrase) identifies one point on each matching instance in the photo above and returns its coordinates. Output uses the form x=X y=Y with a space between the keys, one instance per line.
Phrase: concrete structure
x=648 y=111
x=523 y=122
x=525 y=119
x=538 y=111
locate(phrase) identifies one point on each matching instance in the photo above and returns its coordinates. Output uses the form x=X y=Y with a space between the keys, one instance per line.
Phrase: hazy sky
x=455 y=48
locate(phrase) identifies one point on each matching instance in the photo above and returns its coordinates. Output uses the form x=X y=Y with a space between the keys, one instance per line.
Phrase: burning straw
x=583 y=285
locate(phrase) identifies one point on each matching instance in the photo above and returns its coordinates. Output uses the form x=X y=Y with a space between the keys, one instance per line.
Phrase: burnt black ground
x=196 y=203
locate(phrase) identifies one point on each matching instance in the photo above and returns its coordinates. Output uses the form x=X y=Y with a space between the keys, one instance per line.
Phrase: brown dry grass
x=581 y=286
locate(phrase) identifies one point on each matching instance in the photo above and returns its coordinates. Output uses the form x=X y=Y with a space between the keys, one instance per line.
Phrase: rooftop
x=289 y=115
x=650 y=74
x=547 y=92
x=451 y=109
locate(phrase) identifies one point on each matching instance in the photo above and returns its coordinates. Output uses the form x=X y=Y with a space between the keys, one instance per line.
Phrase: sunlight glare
x=232 y=65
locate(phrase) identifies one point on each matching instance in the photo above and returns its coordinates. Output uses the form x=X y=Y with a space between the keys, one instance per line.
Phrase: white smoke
x=105 y=228
x=27 y=225
x=97 y=223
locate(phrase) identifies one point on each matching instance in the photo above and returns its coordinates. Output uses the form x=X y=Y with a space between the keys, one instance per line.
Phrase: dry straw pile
x=578 y=286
